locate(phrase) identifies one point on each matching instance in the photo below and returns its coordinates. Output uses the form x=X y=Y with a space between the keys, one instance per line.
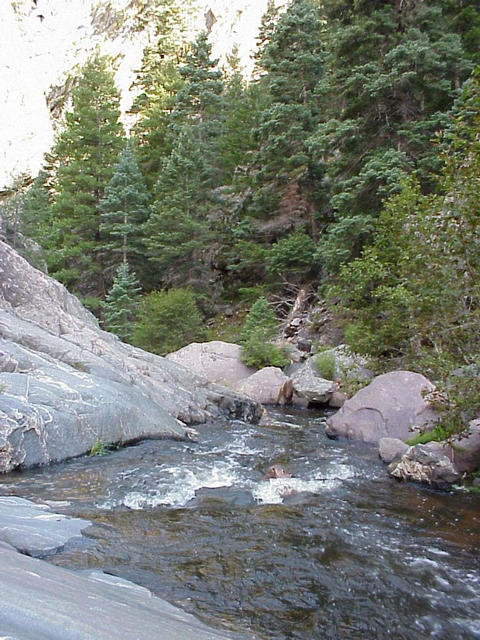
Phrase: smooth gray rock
x=264 y=385
x=307 y=384
x=66 y=384
x=390 y=449
x=43 y=602
x=348 y=365
x=423 y=464
x=390 y=406
x=214 y=361
x=34 y=530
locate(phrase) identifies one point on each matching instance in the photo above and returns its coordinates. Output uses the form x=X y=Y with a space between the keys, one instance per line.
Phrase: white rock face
x=42 y=41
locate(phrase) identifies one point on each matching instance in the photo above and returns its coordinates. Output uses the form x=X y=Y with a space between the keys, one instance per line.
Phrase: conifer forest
x=348 y=164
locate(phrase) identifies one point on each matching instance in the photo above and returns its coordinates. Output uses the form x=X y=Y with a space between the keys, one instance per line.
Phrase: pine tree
x=178 y=230
x=393 y=69
x=292 y=57
x=84 y=155
x=121 y=303
x=158 y=81
x=256 y=337
x=236 y=139
x=124 y=209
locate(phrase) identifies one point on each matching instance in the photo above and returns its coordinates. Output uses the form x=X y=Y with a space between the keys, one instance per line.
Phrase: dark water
x=349 y=555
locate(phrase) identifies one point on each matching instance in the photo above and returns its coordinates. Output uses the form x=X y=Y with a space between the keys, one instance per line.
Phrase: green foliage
x=101 y=448
x=435 y=435
x=258 y=354
x=292 y=56
x=292 y=257
x=178 y=231
x=383 y=101
x=83 y=159
x=124 y=209
x=259 y=318
x=413 y=296
x=120 y=306
x=325 y=365
x=167 y=321
x=258 y=331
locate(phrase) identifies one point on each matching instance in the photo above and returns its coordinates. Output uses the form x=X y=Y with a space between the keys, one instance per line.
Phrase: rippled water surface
x=338 y=552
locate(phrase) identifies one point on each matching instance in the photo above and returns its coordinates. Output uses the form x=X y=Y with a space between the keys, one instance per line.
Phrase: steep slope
x=43 y=40
x=65 y=384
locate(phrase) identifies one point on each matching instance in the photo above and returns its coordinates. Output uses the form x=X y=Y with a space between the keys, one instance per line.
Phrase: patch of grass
x=438 y=434
x=79 y=366
x=350 y=386
x=101 y=448
x=3 y=387
x=325 y=365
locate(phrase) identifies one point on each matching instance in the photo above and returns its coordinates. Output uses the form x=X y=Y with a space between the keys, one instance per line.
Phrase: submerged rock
x=65 y=384
x=390 y=406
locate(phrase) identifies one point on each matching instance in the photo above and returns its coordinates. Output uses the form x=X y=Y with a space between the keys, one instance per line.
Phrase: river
x=340 y=552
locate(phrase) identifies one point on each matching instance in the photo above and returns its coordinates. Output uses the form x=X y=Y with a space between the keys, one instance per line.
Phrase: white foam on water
x=178 y=485
x=274 y=490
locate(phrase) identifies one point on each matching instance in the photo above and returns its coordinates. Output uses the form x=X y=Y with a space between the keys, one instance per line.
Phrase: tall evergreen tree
x=178 y=229
x=121 y=303
x=393 y=69
x=84 y=155
x=236 y=139
x=124 y=209
x=158 y=81
x=292 y=58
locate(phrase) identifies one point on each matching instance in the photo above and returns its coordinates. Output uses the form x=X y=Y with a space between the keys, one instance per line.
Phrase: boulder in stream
x=390 y=406
x=423 y=464
x=309 y=385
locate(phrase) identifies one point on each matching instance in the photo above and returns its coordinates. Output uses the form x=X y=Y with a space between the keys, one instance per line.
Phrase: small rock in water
x=276 y=471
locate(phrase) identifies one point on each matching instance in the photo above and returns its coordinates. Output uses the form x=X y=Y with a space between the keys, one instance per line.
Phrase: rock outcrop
x=41 y=601
x=65 y=384
x=390 y=406
x=462 y=450
x=390 y=449
x=34 y=530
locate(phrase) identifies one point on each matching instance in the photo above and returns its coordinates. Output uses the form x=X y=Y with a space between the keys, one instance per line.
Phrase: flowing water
x=339 y=552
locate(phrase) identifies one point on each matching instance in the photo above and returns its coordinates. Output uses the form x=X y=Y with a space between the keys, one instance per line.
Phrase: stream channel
x=349 y=554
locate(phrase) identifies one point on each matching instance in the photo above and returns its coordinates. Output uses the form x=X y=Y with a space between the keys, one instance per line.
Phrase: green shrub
x=325 y=365
x=292 y=257
x=259 y=354
x=260 y=321
x=256 y=337
x=167 y=321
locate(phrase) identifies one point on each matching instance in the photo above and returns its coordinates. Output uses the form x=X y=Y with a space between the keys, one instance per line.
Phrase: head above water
x=276 y=471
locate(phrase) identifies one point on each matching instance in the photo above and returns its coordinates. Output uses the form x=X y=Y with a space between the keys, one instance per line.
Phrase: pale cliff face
x=42 y=40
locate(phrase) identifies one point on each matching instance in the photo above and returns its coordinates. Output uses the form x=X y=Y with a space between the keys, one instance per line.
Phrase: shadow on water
x=338 y=552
